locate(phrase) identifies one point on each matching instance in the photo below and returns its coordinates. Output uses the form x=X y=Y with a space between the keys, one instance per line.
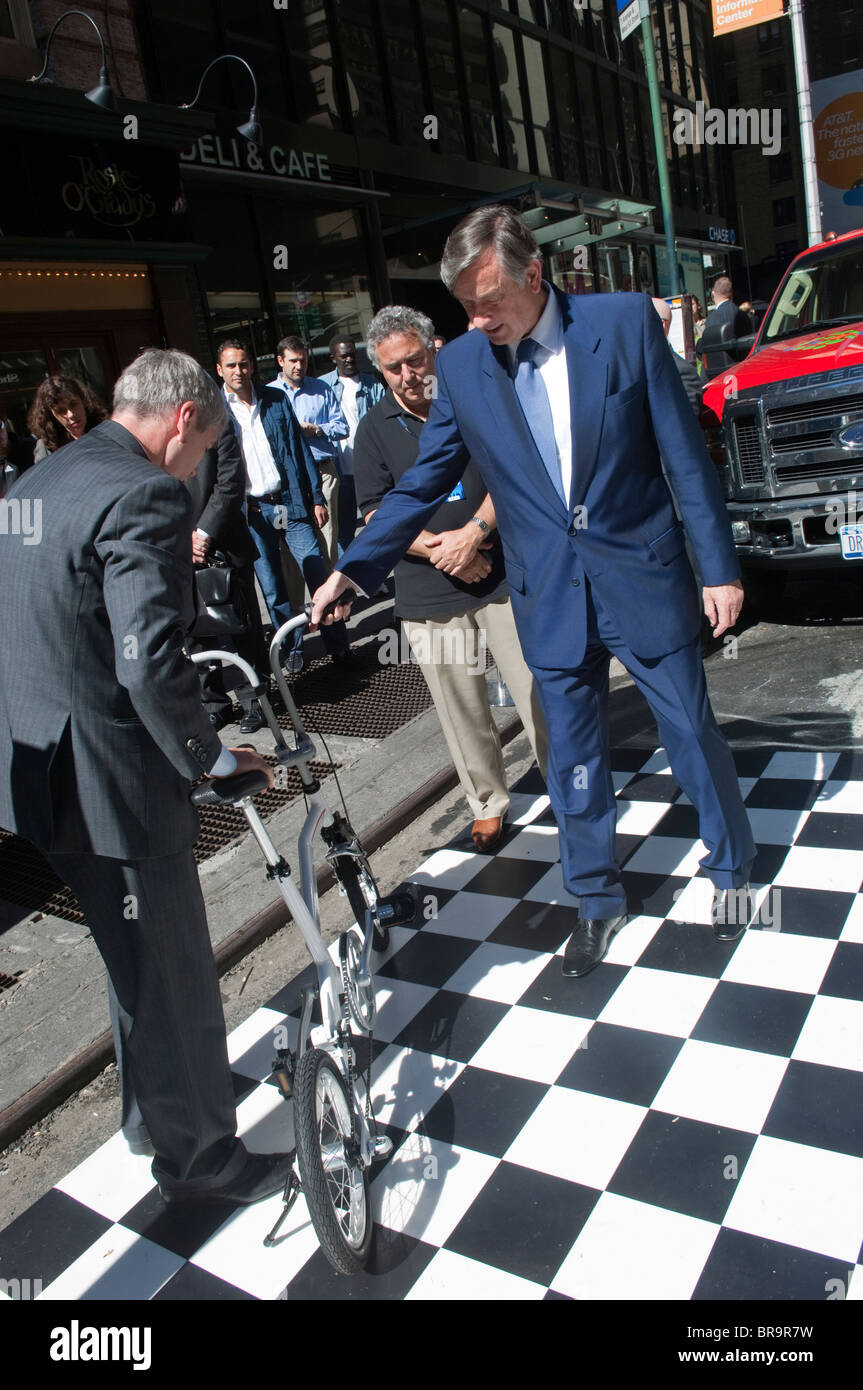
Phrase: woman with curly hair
x=63 y=409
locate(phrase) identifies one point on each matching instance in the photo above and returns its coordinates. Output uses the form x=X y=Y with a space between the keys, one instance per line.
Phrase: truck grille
x=830 y=406
x=749 y=450
x=800 y=443
x=802 y=472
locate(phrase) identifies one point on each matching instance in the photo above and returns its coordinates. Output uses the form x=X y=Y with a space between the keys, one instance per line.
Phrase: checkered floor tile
x=682 y=1123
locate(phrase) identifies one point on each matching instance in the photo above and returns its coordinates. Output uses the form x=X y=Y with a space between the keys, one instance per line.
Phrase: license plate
x=851 y=539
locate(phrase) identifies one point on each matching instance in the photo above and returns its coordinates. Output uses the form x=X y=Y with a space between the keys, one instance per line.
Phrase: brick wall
x=75 y=57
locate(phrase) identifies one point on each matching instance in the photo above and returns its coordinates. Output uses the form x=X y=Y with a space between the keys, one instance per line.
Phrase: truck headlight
x=741 y=533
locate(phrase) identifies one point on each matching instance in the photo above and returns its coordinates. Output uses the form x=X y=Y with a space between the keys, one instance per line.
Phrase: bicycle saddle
x=226 y=791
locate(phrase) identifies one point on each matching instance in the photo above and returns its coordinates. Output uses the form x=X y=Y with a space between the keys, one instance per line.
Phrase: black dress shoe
x=589 y=942
x=253 y=719
x=261 y=1176
x=732 y=909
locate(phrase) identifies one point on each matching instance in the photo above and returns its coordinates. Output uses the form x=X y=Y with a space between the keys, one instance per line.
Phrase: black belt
x=275 y=498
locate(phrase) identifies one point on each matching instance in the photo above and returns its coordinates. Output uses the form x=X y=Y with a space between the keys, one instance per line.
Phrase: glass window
x=615 y=268
x=506 y=67
x=633 y=144
x=687 y=55
x=572 y=271
x=478 y=80
x=443 y=76
x=538 y=96
x=400 y=42
x=784 y=211
x=362 y=68
x=588 y=124
x=608 y=116
x=566 y=115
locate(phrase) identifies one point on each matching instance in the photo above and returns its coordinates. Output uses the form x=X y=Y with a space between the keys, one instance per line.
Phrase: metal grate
x=801 y=443
x=369 y=700
x=749 y=450
x=828 y=407
x=7 y=981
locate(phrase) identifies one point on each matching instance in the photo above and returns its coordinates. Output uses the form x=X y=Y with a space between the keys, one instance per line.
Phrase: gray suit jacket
x=101 y=723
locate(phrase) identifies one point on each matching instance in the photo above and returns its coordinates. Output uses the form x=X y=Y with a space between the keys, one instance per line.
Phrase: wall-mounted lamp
x=250 y=129
x=102 y=94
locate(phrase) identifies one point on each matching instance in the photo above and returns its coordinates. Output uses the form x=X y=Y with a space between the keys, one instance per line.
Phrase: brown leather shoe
x=486 y=833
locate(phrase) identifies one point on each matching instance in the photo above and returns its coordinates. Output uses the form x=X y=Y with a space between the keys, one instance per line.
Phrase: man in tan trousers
x=451 y=587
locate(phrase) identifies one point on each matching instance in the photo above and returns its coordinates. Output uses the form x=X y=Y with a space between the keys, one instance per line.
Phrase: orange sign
x=839 y=141
x=739 y=14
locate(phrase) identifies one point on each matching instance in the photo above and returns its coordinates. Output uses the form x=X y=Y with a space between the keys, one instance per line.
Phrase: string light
x=64 y=274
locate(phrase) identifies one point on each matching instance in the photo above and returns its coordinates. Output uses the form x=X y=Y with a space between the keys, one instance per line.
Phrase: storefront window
x=572 y=271
x=615 y=268
x=506 y=67
x=345 y=306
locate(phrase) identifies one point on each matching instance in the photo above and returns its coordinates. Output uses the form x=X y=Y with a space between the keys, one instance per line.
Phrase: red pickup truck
x=785 y=424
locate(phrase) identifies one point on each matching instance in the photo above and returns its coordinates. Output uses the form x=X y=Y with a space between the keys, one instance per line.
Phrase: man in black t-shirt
x=451 y=589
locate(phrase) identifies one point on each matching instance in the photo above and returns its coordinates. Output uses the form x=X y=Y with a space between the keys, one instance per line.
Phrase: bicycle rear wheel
x=335 y=1185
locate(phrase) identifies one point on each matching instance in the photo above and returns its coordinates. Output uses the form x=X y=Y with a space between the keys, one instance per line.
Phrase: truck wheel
x=764 y=589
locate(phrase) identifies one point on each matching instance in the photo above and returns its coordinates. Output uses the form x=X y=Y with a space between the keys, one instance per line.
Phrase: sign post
x=630 y=13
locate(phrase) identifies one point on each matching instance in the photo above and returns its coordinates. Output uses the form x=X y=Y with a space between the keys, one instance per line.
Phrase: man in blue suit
x=565 y=403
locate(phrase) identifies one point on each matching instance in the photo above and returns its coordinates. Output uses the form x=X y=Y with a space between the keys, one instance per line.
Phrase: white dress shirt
x=262 y=475
x=551 y=364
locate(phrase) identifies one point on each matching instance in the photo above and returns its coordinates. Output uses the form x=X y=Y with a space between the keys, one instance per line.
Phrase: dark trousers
x=575 y=703
x=148 y=920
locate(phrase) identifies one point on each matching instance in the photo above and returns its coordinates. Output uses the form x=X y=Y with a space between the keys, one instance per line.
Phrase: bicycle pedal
x=282 y=1071
x=382 y=1147
x=396 y=910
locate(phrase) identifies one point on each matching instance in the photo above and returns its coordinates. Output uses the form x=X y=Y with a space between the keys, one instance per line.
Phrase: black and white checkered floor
x=683 y=1123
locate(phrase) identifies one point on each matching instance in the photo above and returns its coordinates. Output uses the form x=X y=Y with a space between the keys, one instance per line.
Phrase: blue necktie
x=531 y=392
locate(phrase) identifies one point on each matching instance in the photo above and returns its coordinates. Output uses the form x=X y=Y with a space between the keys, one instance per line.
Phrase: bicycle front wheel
x=335 y=1184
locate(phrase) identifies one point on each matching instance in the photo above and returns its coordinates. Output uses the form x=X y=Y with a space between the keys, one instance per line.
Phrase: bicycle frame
x=302 y=901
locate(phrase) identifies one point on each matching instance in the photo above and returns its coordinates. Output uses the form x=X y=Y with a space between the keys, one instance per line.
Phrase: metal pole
x=807 y=139
x=659 y=141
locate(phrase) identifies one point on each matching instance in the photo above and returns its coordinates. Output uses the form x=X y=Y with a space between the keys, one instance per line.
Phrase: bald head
x=663 y=309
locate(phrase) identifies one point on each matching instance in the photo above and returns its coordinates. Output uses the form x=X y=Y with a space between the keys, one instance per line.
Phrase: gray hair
x=497 y=227
x=397 y=318
x=160 y=380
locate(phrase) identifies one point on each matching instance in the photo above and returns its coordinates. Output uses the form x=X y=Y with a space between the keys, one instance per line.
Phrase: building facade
x=383 y=122
x=756 y=68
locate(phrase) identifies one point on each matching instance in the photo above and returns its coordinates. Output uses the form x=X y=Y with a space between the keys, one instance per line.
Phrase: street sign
x=740 y=14
x=630 y=14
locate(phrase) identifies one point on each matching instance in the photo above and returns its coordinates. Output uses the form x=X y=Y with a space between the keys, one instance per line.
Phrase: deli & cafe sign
x=229 y=152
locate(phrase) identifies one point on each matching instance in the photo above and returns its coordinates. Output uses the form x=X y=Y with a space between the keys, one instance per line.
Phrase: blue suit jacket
x=619 y=531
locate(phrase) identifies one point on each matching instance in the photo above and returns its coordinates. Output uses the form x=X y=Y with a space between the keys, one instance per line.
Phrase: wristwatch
x=486 y=530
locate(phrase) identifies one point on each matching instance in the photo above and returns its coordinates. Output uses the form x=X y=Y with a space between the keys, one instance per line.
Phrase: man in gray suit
x=101 y=733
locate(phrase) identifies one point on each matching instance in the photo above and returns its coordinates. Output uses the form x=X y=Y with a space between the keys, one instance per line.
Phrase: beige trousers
x=451 y=653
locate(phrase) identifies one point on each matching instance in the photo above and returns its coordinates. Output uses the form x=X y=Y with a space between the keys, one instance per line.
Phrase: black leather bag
x=221 y=603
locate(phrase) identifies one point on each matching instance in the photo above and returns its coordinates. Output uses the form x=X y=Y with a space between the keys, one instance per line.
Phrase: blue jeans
x=302 y=542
